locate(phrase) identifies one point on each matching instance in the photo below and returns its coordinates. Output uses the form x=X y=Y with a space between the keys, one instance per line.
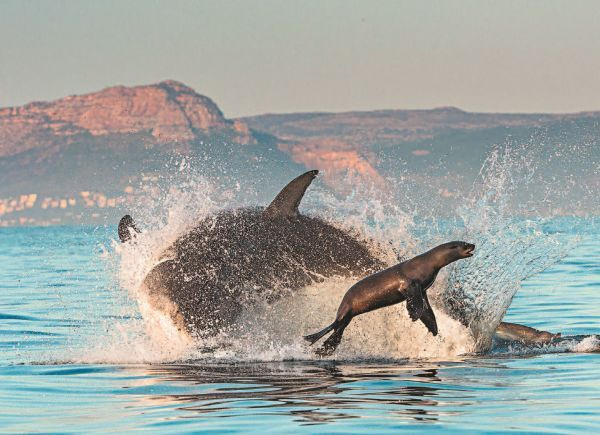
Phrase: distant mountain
x=94 y=150
x=86 y=158
x=443 y=149
x=403 y=132
x=390 y=126
x=167 y=112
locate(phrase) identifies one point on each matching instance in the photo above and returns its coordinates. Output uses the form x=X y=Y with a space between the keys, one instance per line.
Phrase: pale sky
x=255 y=57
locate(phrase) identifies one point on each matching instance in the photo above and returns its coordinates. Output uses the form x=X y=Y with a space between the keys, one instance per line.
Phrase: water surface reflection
x=317 y=392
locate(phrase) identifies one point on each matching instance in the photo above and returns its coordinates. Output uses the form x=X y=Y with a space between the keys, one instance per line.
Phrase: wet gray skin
x=229 y=259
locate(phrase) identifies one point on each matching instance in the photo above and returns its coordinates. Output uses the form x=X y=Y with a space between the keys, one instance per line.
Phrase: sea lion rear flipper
x=331 y=344
x=428 y=317
x=287 y=201
x=127 y=228
x=415 y=303
x=313 y=338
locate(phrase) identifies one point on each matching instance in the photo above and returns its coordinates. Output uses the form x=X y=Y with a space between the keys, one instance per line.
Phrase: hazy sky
x=281 y=56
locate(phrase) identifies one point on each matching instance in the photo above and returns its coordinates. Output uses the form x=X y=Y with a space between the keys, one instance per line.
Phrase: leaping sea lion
x=407 y=281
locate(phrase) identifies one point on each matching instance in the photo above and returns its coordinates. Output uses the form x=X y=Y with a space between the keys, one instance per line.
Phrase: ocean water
x=79 y=354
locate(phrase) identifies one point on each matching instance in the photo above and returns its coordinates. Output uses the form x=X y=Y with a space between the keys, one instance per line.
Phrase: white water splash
x=509 y=249
x=588 y=344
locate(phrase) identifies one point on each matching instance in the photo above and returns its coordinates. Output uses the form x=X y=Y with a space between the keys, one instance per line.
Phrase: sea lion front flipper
x=287 y=201
x=415 y=303
x=428 y=317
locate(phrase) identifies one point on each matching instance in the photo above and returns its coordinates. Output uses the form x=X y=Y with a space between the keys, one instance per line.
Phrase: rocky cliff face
x=169 y=111
x=373 y=145
x=79 y=158
x=335 y=158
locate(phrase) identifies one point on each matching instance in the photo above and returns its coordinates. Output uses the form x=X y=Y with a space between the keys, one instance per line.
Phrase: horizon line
x=316 y=111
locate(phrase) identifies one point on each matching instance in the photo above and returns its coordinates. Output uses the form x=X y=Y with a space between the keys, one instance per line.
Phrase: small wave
x=4 y=316
x=566 y=344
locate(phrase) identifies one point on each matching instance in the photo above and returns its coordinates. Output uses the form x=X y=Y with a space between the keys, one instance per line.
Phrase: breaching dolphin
x=234 y=256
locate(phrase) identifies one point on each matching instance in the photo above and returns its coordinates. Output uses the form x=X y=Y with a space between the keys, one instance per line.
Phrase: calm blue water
x=58 y=299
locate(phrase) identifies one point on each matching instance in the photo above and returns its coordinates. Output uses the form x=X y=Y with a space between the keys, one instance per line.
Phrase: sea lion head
x=453 y=251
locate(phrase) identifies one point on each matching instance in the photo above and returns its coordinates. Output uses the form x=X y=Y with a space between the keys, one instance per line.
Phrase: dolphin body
x=234 y=257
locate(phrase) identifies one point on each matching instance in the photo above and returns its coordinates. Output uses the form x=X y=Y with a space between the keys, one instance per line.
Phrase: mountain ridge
x=107 y=144
x=169 y=111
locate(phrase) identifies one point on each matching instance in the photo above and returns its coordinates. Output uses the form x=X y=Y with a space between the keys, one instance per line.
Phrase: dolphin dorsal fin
x=287 y=201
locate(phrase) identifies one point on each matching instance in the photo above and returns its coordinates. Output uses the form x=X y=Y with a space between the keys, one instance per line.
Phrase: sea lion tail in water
x=127 y=228
x=523 y=334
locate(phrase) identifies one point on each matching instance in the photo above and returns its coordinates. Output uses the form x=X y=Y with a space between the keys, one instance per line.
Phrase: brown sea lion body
x=406 y=281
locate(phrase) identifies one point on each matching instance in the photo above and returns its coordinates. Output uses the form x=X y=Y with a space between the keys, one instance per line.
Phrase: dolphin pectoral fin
x=287 y=201
x=127 y=228
x=428 y=317
x=415 y=303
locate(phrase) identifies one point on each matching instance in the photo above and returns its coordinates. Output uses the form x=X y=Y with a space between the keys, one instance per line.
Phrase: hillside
x=90 y=158
x=442 y=148
x=83 y=158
